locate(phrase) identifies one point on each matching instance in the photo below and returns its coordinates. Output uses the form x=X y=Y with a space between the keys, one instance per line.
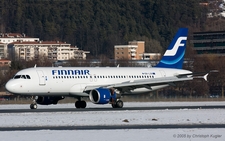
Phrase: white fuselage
x=66 y=81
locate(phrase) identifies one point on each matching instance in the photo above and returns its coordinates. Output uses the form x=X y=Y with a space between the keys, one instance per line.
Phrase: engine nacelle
x=47 y=100
x=101 y=95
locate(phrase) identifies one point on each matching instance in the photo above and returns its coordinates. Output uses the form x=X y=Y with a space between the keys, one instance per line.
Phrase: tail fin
x=174 y=55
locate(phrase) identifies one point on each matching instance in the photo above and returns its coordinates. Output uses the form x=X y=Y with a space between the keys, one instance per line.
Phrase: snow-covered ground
x=95 y=118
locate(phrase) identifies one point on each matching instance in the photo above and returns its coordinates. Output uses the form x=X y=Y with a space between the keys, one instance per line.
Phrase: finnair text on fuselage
x=70 y=72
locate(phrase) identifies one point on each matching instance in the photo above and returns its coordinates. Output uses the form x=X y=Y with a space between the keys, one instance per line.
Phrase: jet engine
x=101 y=95
x=47 y=100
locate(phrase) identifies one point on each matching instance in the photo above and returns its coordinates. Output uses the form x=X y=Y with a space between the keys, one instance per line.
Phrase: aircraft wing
x=147 y=83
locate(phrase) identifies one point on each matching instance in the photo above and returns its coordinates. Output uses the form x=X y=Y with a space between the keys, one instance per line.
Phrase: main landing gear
x=80 y=103
x=117 y=104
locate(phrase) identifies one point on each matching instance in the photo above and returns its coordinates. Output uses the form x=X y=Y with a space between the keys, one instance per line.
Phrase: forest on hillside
x=98 y=25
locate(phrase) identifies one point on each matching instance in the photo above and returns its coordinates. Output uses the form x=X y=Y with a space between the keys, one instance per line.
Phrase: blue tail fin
x=174 y=55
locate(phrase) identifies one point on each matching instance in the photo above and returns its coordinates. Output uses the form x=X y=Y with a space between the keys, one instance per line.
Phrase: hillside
x=99 y=25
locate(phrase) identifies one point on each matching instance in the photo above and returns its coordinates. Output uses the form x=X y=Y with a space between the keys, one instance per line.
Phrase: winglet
x=174 y=55
x=205 y=76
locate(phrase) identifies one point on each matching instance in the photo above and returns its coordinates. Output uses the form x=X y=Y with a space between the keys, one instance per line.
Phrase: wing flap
x=148 y=83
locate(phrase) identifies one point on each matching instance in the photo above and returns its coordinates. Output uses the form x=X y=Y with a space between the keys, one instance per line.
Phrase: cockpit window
x=28 y=77
x=17 y=77
x=22 y=77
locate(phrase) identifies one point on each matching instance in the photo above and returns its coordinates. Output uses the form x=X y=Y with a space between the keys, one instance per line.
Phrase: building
x=212 y=42
x=3 y=50
x=53 y=50
x=150 y=56
x=7 y=38
x=130 y=51
x=4 y=62
x=135 y=50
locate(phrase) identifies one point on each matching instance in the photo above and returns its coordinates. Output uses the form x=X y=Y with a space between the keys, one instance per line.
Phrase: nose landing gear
x=33 y=105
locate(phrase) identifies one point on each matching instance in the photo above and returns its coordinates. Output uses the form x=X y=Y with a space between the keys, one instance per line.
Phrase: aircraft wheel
x=119 y=104
x=83 y=104
x=77 y=104
x=114 y=105
x=80 y=104
x=33 y=106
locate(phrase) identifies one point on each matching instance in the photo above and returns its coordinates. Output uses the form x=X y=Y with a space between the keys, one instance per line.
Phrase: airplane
x=103 y=85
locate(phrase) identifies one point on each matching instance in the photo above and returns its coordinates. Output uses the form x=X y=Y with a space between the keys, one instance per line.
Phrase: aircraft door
x=41 y=77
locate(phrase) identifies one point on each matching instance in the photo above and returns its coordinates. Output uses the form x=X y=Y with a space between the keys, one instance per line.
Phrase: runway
x=113 y=127
x=108 y=109
x=63 y=117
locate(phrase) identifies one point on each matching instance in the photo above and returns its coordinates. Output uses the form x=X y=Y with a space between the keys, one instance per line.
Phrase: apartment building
x=135 y=50
x=3 y=50
x=7 y=38
x=54 y=50
x=130 y=51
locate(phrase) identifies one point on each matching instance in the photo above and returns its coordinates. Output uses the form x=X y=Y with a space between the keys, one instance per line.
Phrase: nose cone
x=10 y=86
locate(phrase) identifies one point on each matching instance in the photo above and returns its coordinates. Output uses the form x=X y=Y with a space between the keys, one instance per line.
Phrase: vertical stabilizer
x=174 y=55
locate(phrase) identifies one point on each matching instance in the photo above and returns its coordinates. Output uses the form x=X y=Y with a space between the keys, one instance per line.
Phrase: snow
x=117 y=135
x=134 y=117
